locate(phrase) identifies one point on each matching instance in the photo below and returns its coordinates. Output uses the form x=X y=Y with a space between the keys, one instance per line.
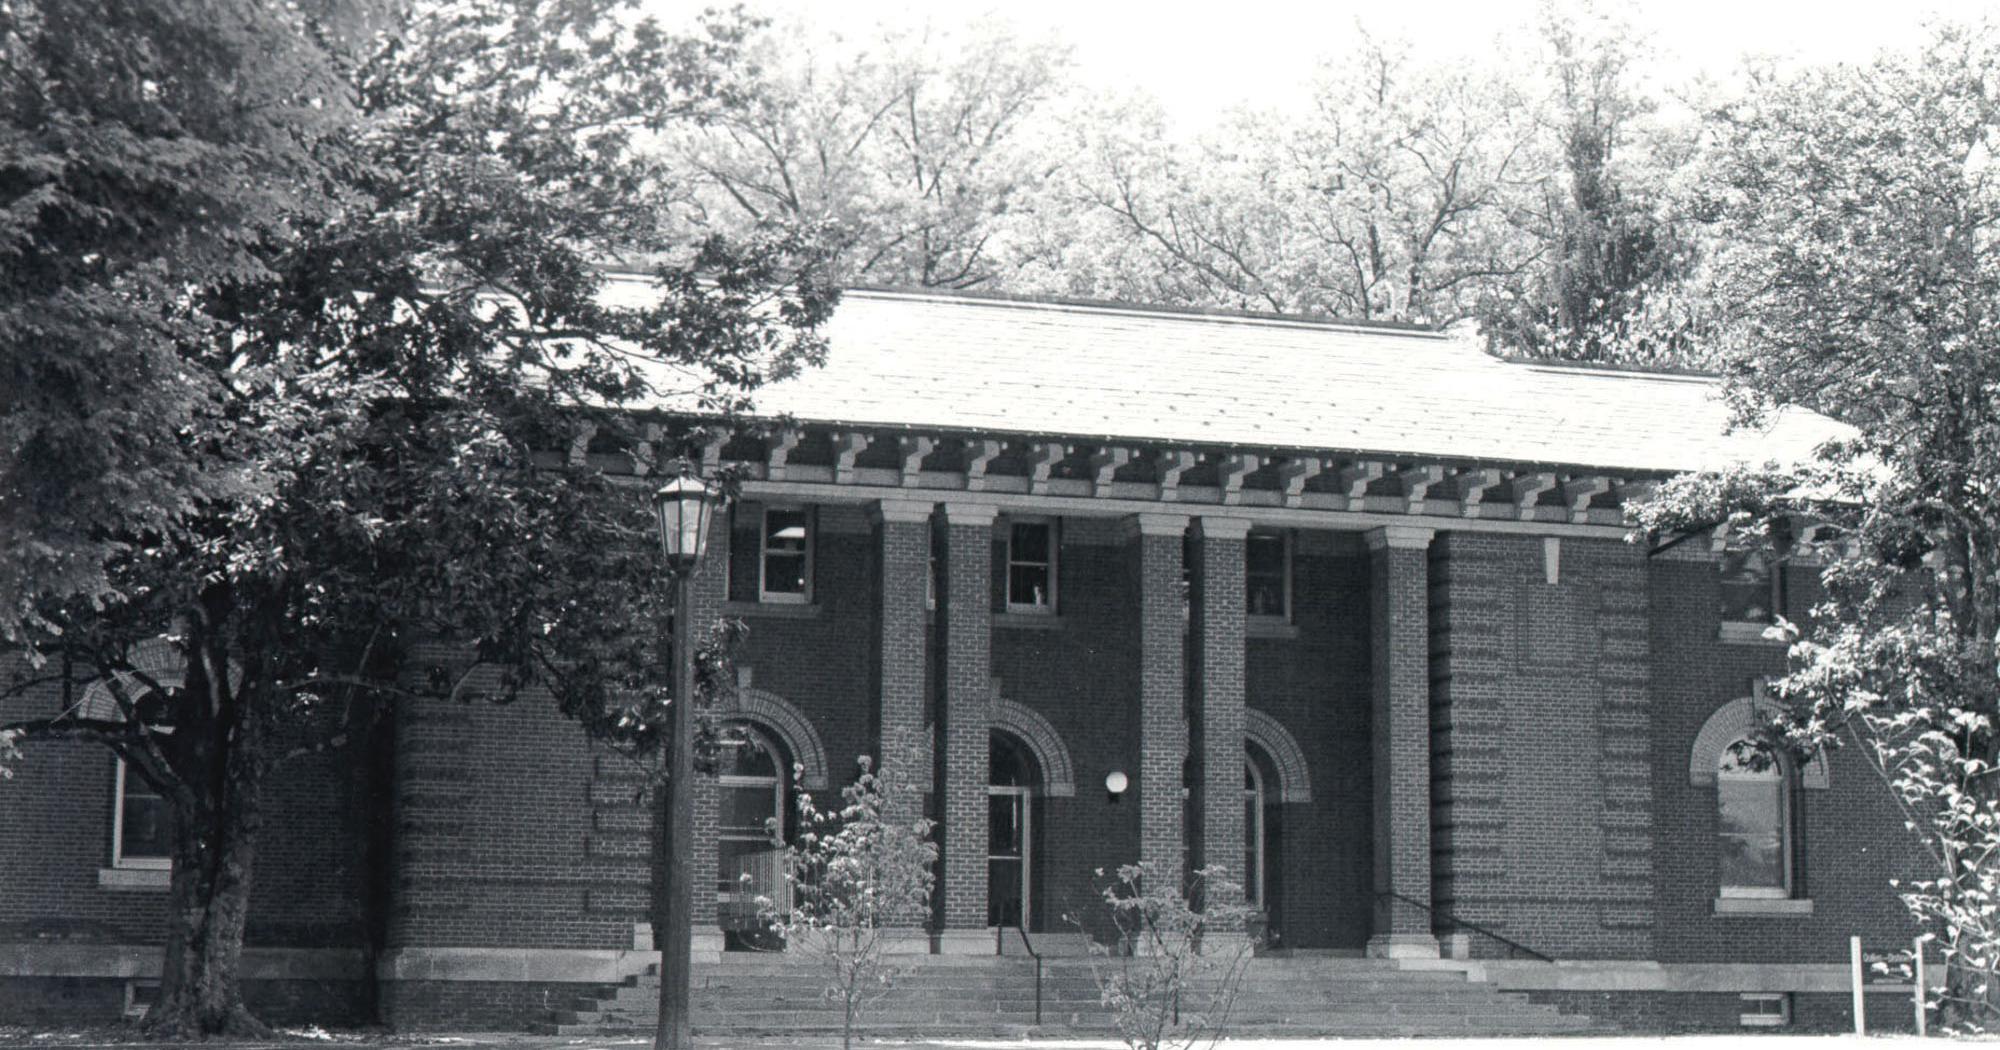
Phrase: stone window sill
x=1270 y=627
x=1737 y=633
x=771 y=610
x=1029 y=621
x=1765 y=907
x=134 y=878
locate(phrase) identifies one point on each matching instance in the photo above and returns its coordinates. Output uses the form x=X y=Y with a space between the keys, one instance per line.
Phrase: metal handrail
x=1456 y=922
x=1000 y=948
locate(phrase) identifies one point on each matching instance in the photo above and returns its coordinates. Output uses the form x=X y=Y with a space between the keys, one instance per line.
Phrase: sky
x=1201 y=59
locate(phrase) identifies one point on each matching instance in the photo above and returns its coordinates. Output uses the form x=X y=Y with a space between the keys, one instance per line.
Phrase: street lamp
x=683 y=507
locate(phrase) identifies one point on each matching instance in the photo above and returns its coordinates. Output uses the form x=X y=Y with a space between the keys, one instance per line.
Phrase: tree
x=1604 y=285
x=1181 y=951
x=1386 y=197
x=916 y=147
x=303 y=319
x=1859 y=216
x=856 y=875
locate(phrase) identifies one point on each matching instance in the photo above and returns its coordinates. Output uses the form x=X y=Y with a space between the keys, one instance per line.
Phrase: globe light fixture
x=1115 y=782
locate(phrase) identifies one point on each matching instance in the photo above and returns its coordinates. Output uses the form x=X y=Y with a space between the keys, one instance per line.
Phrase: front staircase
x=995 y=995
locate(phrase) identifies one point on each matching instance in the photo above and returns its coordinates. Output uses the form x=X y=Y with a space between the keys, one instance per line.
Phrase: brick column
x=1217 y=625
x=1399 y=648
x=1163 y=729
x=711 y=585
x=901 y=638
x=965 y=725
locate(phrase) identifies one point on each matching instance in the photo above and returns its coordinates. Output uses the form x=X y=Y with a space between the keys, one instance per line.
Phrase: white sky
x=1200 y=59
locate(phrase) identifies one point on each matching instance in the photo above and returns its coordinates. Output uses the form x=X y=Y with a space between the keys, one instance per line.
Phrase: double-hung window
x=784 y=562
x=1753 y=822
x=1031 y=565
x=140 y=827
x=1267 y=574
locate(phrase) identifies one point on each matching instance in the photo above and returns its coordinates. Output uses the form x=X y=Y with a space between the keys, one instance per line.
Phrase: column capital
x=899 y=510
x=1148 y=524
x=1220 y=527
x=1400 y=538
x=960 y=512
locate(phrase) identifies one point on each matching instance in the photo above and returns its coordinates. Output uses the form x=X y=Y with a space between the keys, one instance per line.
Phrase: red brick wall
x=309 y=888
x=1541 y=733
x=1850 y=841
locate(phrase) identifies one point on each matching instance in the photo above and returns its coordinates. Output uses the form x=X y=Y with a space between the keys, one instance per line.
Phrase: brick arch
x=792 y=728
x=1042 y=740
x=1731 y=722
x=157 y=659
x=1294 y=779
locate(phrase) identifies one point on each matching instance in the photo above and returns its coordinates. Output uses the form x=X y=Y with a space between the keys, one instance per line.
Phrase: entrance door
x=1010 y=834
x=1007 y=856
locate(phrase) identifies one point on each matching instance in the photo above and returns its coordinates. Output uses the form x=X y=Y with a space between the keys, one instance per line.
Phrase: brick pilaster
x=710 y=582
x=965 y=722
x=1399 y=645
x=1217 y=625
x=903 y=528
x=1163 y=729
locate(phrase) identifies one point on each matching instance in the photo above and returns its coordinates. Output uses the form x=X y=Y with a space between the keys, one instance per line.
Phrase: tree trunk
x=201 y=985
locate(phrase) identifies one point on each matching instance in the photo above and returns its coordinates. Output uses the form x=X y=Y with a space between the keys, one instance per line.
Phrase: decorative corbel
x=914 y=448
x=1525 y=489
x=579 y=444
x=781 y=447
x=1042 y=458
x=1417 y=483
x=846 y=446
x=1579 y=491
x=1473 y=485
x=1355 y=478
x=646 y=453
x=1105 y=464
x=1173 y=465
x=1232 y=469
x=978 y=456
x=1295 y=472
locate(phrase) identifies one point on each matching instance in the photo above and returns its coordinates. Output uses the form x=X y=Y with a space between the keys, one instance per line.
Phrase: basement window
x=1765 y=1009
x=140 y=997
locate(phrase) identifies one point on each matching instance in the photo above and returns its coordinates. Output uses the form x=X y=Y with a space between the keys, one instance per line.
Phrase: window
x=750 y=837
x=1031 y=565
x=1267 y=573
x=140 y=828
x=1753 y=818
x=785 y=565
x=1765 y=1009
x=1751 y=587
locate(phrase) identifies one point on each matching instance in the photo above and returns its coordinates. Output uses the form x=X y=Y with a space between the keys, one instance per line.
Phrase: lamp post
x=683 y=507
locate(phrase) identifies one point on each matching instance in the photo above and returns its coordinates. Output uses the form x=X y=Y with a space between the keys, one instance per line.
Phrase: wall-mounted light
x=1115 y=783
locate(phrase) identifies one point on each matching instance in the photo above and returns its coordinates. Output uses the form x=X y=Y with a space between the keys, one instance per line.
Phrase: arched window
x=750 y=838
x=1753 y=821
x=1253 y=833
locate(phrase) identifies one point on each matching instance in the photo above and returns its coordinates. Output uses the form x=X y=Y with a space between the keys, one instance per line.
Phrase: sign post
x=1860 y=1006
x=1918 y=991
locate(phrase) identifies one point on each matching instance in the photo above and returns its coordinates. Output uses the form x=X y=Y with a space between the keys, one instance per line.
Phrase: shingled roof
x=956 y=363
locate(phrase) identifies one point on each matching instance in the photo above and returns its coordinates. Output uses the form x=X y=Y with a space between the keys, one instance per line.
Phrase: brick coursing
x=964 y=721
x=1541 y=731
x=1399 y=634
x=1160 y=663
x=1217 y=625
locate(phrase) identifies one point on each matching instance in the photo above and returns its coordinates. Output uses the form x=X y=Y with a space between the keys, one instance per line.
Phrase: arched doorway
x=1010 y=827
x=752 y=789
x=1262 y=883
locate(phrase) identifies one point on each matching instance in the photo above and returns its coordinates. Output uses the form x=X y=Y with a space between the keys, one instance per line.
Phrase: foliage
x=915 y=145
x=302 y=320
x=858 y=875
x=1862 y=217
x=1181 y=952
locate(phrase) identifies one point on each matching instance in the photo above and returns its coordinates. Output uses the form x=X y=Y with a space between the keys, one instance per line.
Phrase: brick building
x=1347 y=609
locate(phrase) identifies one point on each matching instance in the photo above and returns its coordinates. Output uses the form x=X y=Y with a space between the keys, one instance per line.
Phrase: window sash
x=1031 y=579
x=1760 y=848
x=1267 y=574
x=126 y=789
x=784 y=555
